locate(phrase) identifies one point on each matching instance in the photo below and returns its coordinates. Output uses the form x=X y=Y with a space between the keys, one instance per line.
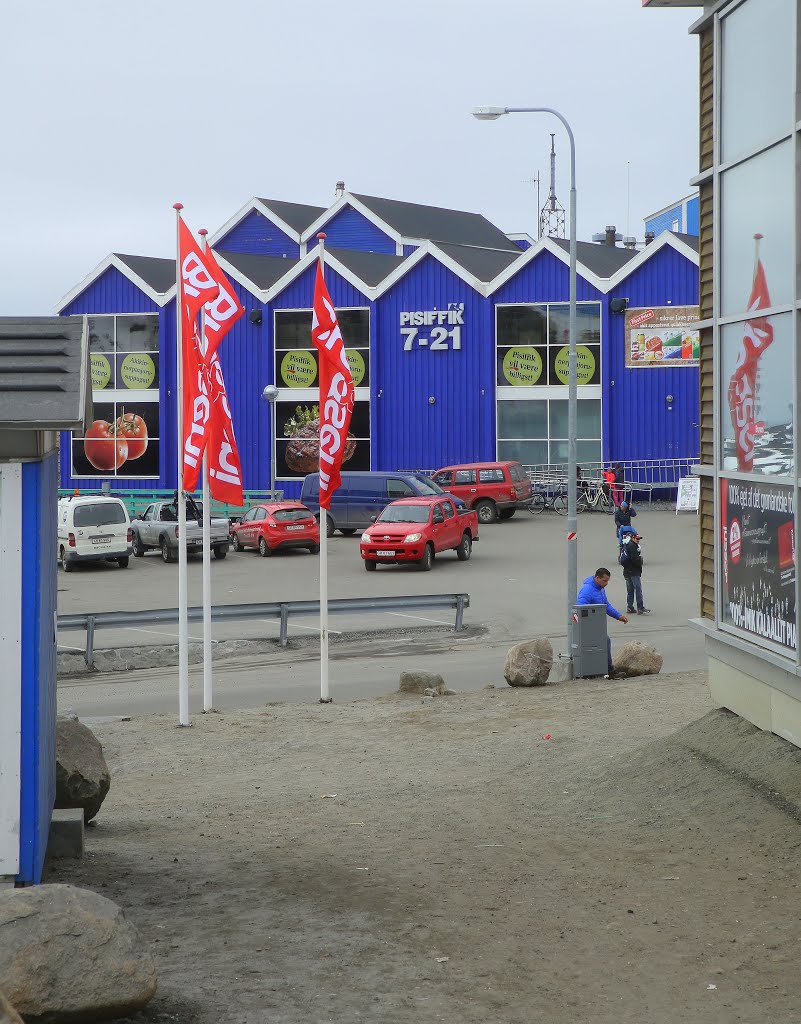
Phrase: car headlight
x=366 y=538
x=412 y=537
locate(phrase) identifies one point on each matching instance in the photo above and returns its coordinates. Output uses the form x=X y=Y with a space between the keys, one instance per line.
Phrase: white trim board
x=10 y=666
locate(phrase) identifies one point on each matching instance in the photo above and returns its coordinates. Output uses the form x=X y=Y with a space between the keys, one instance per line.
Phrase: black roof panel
x=263 y=271
x=158 y=273
x=296 y=215
x=603 y=260
x=370 y=267
x=484 y=264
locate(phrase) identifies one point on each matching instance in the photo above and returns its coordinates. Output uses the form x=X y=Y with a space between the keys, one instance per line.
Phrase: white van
x=93 y=528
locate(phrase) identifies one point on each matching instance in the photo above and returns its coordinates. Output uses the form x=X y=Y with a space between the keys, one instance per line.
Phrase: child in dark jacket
x=631 y=560
x=624 y=514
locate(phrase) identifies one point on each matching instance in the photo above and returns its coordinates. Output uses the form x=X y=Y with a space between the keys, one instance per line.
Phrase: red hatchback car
x=274 y=525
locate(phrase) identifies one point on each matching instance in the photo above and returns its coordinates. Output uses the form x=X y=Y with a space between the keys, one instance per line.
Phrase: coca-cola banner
x=758 y=560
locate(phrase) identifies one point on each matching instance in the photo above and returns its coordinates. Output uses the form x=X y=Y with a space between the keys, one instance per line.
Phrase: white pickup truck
x=158 y=528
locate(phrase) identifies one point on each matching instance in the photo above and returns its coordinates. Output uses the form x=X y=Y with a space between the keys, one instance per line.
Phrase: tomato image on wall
x=122 y=440
x=758 y=560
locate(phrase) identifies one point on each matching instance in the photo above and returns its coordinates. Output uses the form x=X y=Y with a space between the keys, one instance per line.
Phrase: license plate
x=295 y=527
x=101 y=540
x=385 y=554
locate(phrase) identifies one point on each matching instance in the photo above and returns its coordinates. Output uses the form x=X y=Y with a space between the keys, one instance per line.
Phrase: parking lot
x=515 y=579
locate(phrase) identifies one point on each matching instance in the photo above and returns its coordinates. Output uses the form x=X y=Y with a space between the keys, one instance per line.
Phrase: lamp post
x=270 y=393
x=492 y=114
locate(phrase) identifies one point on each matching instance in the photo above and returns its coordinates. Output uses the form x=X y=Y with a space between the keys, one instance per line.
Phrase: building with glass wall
x=750 y=288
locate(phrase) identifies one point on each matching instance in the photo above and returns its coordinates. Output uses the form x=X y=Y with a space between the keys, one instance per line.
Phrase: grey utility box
x=589 y=641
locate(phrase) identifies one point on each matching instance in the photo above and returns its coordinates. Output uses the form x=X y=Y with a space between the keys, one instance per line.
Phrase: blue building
x=680 y=217
x=456 y=335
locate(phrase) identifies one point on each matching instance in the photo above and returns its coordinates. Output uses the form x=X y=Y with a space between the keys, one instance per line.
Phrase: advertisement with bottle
x=758 y=560
x=662 y=336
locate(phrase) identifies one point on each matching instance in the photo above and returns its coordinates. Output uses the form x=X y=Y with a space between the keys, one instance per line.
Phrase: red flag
x=336 y=388
x=757 y=336
x=225 y=467
x=196 y=286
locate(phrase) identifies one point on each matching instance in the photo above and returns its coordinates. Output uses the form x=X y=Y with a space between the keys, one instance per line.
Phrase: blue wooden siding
x=409 y=249
x=522 y=243
x=257 y=234
x=664 y=221
x=112 y=292
x=693 y=211
x=39 y=584
x=350 y=229
x=642 y=424
x=545 y=279
x=409 y=432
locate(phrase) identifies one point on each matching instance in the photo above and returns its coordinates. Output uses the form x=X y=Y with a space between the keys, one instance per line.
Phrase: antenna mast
x=552 y=215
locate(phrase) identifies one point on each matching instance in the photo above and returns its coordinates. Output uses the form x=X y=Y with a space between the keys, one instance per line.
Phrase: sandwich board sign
x=689 y=494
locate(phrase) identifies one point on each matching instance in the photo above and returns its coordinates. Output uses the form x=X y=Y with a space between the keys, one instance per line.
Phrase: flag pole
x=325 y=695
x=183 y=631
x=208 y=681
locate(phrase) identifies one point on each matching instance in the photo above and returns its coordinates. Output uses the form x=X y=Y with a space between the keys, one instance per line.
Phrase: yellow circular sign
x=522 y=366
x=356 y=364
x=298 y=369
x=585 y=364
x=101 y=371
x=137 y=371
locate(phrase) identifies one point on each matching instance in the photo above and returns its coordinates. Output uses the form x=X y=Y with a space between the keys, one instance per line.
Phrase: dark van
x=363 y=496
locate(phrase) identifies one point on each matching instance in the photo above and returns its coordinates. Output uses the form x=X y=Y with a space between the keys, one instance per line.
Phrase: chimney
x=649 y=237
x=630 y=242
x=611 y=235
x=340 y=189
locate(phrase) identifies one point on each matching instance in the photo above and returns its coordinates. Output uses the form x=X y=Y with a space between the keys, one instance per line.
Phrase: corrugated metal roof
x=263 y=271
x=369 y=267
x=484 y=264
x=603 y=260
x=296 y=215
x=437 y=224
x=45 y=383
x=158 y=273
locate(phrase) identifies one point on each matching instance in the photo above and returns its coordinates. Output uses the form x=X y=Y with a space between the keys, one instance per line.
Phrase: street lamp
x=270 y=394
x=492 y=114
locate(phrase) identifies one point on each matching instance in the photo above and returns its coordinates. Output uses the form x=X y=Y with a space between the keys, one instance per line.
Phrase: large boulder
x=82 y=776
x=637 y=659
x=71 y=954
x=529 y=663
x=419 y=682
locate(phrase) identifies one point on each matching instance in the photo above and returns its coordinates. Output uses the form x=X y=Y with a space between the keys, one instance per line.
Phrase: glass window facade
x=532 y=349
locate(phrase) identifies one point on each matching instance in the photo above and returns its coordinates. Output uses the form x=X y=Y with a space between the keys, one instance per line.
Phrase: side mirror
x=373 y=518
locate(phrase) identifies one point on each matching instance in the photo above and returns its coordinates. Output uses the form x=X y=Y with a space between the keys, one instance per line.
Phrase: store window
x=123 y=439
x=757 y=396
x=756 y=105
x=297 y=409
x=532 y=374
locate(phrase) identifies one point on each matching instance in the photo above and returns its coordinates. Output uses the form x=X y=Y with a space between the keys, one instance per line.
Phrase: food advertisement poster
x=297 y=448
x=662 y=336
x=758 y=560
x=122 y=440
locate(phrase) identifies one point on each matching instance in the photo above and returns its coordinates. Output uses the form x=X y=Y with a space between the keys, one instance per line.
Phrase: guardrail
x=280 y=610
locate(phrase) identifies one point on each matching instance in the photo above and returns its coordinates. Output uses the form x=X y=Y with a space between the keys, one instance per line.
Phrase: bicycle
x=548 y=497
x=595 y=496
x=589 y=496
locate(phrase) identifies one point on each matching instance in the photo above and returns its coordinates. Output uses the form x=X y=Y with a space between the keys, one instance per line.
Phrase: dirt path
x=466 y=869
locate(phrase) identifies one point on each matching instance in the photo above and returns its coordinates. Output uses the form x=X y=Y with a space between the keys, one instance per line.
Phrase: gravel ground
x=590 y=851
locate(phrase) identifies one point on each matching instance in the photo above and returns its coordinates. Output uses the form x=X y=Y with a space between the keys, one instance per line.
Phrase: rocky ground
x=606 y=852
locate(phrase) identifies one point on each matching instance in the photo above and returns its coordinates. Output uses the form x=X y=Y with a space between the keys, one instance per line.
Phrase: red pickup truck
x=416 y=529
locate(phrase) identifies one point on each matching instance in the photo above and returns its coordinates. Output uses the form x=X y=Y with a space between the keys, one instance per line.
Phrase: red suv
x=494 y=489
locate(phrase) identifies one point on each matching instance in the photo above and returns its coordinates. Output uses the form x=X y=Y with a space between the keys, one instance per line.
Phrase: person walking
x=593 y=591
x=624 y=514
x=631 y=559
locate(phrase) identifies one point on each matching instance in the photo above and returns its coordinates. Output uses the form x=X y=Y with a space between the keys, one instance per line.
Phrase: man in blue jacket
x=593 y=591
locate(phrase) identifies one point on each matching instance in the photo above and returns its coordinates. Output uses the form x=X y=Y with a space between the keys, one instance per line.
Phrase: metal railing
x=281 y=610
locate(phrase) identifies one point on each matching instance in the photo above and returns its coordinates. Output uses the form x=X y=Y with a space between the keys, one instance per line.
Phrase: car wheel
x=138 y=547
x=330 y=526
x=465 y=548
x=427 y=560
x=349 y=532
x=66 y=565
x=237 y=542
x=507 y=513
x=370 y=566
x=166 y=554
x=123 y=562
x=220 y=551
x=264 y=549
x=486 y=511
x=314 y=549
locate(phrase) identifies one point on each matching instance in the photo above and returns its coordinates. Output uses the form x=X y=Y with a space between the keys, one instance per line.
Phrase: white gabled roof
x=113 y=260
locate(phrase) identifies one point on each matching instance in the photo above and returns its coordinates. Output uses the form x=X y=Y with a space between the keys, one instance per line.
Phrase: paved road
x=516 y=582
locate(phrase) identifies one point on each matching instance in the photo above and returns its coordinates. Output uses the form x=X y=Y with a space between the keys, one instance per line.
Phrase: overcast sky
x=112 y=112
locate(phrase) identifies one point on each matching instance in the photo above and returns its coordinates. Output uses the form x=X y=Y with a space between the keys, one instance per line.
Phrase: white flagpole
x=207 y=670
x=183 y=630
x=325 y=696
